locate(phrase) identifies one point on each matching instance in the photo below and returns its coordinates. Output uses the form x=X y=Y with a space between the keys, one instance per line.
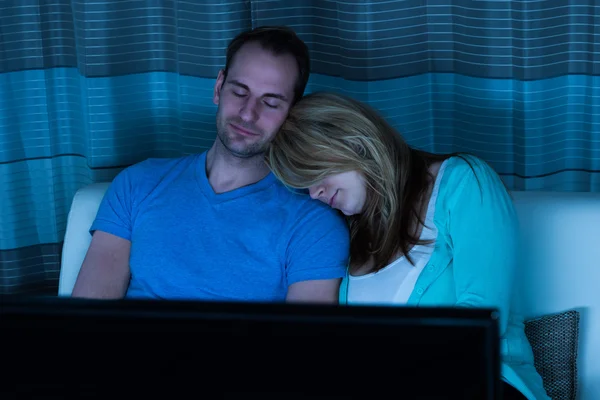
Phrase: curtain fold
x=88 y=88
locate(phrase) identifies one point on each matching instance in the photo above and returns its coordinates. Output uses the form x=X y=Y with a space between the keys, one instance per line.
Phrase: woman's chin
x=348 y=213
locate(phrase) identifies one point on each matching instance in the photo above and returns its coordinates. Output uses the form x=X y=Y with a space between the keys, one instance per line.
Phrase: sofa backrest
x=77 y=237
x=560 y=269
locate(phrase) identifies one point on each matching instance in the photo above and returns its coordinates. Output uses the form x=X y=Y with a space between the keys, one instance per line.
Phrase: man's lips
x=242 y=130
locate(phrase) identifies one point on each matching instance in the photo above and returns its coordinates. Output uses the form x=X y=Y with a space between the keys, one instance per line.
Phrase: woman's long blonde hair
x=328 y=133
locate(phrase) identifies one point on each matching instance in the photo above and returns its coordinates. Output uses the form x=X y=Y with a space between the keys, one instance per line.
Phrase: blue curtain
x=88 y=88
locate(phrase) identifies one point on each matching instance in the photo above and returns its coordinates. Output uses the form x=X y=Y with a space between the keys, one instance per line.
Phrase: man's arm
x=324 y=291
x=105 y=270
x=317 y=254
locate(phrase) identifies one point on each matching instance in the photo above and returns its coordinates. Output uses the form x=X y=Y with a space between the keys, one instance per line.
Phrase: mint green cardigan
x=474 y=262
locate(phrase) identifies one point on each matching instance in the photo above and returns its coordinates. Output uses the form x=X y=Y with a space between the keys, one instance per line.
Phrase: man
x=218 y=225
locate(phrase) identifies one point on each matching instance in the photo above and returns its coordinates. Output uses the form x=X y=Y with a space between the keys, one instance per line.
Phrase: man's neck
x=226 y=172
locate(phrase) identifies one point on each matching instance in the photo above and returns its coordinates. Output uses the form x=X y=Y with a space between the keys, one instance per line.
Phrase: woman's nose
x=316 y=191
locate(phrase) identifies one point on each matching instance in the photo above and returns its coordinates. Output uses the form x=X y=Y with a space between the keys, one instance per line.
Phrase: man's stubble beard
x=252 y=150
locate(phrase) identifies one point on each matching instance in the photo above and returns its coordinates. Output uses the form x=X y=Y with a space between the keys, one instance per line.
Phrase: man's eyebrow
x=240 y=84
x=245 y=87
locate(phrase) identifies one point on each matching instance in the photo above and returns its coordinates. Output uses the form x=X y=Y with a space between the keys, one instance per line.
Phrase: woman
x=426 y=229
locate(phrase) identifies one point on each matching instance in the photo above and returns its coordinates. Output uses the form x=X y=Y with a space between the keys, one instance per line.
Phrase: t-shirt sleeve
x=483 y=228
x=319 y=246
x=116 y=208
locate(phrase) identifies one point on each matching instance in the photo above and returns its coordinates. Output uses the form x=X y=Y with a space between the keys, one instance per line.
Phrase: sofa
x=557 y=290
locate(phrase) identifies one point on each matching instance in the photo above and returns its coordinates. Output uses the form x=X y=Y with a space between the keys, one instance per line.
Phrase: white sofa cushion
x=561 y=268
x=77 y=237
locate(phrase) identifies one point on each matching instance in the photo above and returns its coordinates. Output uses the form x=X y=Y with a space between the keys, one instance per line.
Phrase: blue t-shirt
x=249 y=244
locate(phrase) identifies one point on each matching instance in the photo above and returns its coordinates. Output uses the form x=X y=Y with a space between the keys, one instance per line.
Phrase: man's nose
x=249 y=111
x=316 y=191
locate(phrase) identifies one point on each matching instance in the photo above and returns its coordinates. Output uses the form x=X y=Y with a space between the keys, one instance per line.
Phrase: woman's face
x=346 y=191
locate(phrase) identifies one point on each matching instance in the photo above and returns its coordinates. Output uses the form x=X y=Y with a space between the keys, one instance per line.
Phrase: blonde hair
x=328 y=133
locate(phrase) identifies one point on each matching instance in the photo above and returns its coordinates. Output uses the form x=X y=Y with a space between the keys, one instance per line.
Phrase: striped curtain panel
x=90 y=87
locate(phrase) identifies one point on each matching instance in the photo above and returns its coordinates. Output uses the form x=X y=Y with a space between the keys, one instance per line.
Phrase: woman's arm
x=483 y=228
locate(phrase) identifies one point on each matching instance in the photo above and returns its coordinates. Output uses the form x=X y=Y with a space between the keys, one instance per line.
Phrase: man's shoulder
x=143 y=177
x=158 y=166
x=290 y=194
x=307 y=210
x=296 y=198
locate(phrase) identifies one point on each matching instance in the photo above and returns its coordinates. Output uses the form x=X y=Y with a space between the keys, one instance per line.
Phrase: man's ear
x=218 y=86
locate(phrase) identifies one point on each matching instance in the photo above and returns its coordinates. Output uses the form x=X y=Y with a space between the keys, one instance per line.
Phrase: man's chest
x=208 y=252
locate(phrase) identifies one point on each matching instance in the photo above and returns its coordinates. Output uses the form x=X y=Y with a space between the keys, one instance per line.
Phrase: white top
x=393 y=284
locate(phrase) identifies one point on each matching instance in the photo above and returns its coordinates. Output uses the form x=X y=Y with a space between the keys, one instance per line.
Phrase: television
x=55 y=348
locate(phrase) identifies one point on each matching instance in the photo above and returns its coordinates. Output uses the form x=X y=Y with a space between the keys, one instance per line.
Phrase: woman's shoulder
x=466 y=169
x=467 y=176
x=468 y=163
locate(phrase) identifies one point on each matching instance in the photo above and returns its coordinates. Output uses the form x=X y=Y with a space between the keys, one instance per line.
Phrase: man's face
x=254 y=100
